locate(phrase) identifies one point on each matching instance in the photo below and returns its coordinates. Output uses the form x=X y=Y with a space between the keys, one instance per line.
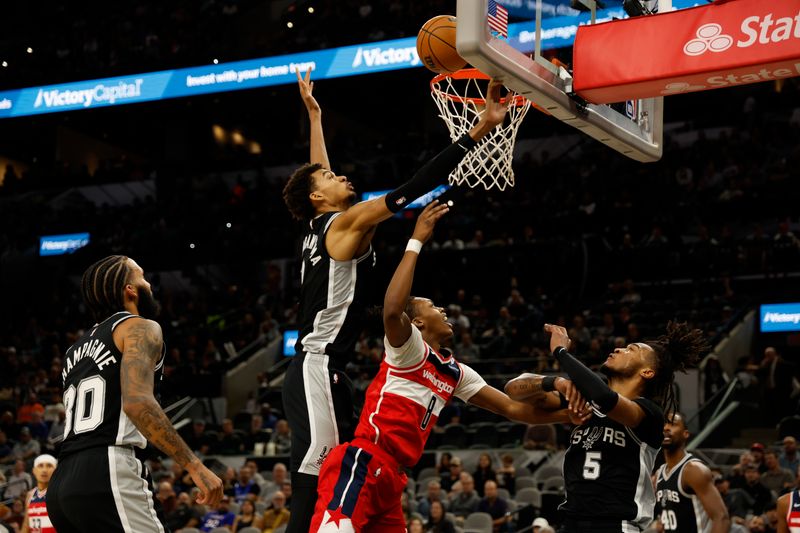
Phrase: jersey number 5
x=591 y=466
x=84 y=405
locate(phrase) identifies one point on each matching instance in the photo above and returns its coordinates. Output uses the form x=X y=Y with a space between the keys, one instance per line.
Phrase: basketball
x=436 y=45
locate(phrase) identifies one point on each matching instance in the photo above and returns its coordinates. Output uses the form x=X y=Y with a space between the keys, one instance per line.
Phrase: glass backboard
x=632 y=128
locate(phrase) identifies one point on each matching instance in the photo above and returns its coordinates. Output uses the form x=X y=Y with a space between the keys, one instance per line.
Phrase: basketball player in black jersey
x=686 y=498
x=608 y=464
x=109 y=379
x=337 y=257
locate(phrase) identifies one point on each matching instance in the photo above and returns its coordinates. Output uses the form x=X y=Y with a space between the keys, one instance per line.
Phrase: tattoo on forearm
x=142 y=350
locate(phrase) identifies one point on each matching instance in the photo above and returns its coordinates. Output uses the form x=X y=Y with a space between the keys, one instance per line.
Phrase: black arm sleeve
x=430 y=175
x=594 y=389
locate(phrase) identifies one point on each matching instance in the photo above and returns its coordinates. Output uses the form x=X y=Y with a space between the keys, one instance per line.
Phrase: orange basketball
x=436 y=45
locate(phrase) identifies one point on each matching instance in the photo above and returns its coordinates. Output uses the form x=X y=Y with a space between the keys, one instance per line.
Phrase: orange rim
x=467 y=74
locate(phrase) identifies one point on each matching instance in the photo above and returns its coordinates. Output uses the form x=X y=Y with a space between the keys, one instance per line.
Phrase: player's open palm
x=427 y=220
x=306 y=87
x=209 y=484
x=496 y=109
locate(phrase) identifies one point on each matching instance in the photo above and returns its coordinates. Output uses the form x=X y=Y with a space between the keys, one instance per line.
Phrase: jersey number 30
x=84 y=405
x=591 y=466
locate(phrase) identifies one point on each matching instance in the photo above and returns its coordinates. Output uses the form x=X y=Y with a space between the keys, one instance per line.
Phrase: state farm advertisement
x=727 y=43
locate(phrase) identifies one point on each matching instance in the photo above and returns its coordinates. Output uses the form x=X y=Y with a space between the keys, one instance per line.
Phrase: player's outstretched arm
x=141 y=344
x=396 y=322
x=363 y=216
x=698 y=477
x=594 y=389
x=499 y=403
x=783 y=510
x=319 y=154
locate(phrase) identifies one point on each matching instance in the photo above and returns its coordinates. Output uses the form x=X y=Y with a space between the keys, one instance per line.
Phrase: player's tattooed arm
x=526 y=387
x=142 y=346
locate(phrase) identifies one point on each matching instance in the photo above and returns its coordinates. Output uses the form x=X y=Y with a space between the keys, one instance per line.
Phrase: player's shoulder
x=695 y=470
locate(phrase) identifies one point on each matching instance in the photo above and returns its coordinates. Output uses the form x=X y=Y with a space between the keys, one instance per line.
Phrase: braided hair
x=678 y=350
x=103 y=286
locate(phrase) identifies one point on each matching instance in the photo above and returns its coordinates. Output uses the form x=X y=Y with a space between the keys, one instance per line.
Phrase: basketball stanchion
x=461 y=99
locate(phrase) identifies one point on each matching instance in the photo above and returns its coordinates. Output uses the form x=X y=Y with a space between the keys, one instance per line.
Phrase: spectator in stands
x=496 y=506
x=6 y=456
x=286 y=489
x=37 y=427
x=222 y=517
x=433 y=494
x=507 y=474
x=579 y=333
x=467 y=350
x=197 y=439
x=282 y=437
x=756 y=525
x=466 y=500
x=229 y=442
x=277 y=515
x=279 y=475
x=26 y=448
x=450 y=478
x=415 y=525
x=269 y=418
x=540 y=523
x=257 y=477
x=484 y=472
x=444 y=463
x=167 y=497
x=245 y=487
x=757 y=451
x=437 y=519
x=255 y=433
x=789 y=458
x=775 y=377
x=247 y=517
x=183 y=515
x=758 y=492
x=19 y=482
x=31 y=405
x=737 y=501
x=770 y=518
x=775 y=477
x=17 y=516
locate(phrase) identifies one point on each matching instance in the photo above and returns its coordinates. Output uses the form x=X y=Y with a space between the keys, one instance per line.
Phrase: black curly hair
x=297 y=189
x=678 y=350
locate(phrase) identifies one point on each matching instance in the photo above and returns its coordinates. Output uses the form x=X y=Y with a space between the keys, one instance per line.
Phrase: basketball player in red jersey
x=36 y=518
x=789 y=512
x=361 y=482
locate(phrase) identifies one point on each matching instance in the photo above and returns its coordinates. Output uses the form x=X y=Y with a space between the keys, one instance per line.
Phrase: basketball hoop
x=461 y=99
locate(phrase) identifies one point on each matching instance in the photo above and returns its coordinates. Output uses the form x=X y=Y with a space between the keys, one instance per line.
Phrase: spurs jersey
x=793 y=513
x=607 y=469
x=678 y=508
x=93 y=392
x=333 y=295
x=404 y=399
x=38 y=521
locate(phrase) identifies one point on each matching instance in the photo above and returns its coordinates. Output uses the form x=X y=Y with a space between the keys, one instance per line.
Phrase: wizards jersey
x=405 y=398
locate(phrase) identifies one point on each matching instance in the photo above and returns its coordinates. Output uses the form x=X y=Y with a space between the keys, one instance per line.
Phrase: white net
x=489 y=163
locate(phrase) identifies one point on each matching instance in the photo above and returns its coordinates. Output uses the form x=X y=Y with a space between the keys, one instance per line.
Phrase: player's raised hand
x=558 y=336
x=496 y=109
x=579 y=409
x=306 y=87
x=427 y=220
x=209 y=484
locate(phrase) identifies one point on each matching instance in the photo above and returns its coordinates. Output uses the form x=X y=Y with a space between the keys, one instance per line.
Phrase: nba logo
x=632 y=109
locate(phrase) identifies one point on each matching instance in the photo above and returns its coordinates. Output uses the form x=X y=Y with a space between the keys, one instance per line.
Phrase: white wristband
x=414 y=246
